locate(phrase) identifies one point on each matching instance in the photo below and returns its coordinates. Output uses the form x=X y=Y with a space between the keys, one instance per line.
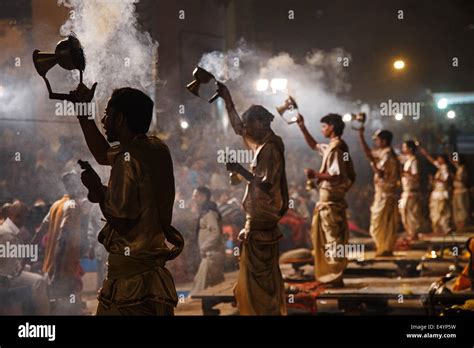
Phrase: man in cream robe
x=260 y=289
x=410 y=201
x=329 y=229
x=440 y=202
x=461 y=204
x=384 y=218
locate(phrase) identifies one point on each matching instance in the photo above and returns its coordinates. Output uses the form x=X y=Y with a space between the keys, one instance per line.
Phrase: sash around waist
x=121 y=266
x=260 y=225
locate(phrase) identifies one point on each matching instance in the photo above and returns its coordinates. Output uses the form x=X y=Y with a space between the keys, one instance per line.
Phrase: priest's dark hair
x=205 y=191
x=136 y=107
x=411 y=145
x=259 y=113
x=336 y=121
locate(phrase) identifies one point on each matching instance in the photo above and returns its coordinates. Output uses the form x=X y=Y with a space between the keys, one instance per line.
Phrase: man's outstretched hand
x=233 y=167
x=224 y=93
x=310 y=173
x=93 y=183
x=83 y=94
x=300 y=120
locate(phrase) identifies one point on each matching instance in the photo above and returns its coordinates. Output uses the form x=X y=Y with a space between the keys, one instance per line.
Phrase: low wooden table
x=370 y=292
x=408 y=263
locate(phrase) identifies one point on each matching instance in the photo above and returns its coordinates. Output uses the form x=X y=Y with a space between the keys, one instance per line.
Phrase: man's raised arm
x=312 y=143
x=234 y=117
x=368 y=152
x=95 y=141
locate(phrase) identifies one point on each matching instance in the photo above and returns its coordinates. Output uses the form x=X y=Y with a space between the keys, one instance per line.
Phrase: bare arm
x=365 y=146
x=95 y=141
x=234 y=117
x=368 y=152
x=427 y=155
x=307 y=136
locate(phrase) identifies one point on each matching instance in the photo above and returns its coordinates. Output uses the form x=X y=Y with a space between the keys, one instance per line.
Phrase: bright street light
x=262 y=85
x=278 y=84
x=442 y=103
x=399 y=64
x=184 y=124
x=347 y=117
x=451 y=114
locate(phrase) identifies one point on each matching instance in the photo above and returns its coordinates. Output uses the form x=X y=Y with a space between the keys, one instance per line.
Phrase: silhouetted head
x=201 y=195
x=257 y=121
x=383 y=138
x=72 y=184
x=332 y=125
x=441 y=159
x=129 y=111
x=4 y=210
x=18 y=213
x=409 y=147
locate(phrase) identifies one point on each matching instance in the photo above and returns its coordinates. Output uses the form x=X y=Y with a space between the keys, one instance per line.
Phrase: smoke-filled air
x=118 y=52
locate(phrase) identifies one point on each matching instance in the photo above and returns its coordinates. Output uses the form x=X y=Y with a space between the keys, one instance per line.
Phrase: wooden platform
x=426 y=241
x=381 y=287
x=405 y=255
x=222 y=292
x=368 y=291
x=409 y=263
x=364 y=292
x=400 y=282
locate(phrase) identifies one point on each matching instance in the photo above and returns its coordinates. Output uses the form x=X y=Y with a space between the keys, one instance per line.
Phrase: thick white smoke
x=118 y=53
x=226 y=66
x=317 y=80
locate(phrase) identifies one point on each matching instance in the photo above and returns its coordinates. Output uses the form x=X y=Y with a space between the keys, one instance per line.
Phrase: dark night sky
x=432 y=32
x=430 y=35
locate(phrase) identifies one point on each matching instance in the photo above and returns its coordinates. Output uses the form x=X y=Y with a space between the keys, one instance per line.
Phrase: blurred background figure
x=440 y=202
x=461 y=204
x=210 y=241
x=4 y=212
x=12 y=270
x=410 y=201
x=62 y=226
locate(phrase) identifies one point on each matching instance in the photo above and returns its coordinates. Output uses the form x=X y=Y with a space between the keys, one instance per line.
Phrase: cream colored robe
x=461 y=206
x=329 y=228
x=384 y=217
x=440 y=203
x=260 y=289
x=410 y=202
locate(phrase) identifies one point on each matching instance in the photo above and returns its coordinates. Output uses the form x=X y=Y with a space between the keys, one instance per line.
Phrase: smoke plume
x=117 y=52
